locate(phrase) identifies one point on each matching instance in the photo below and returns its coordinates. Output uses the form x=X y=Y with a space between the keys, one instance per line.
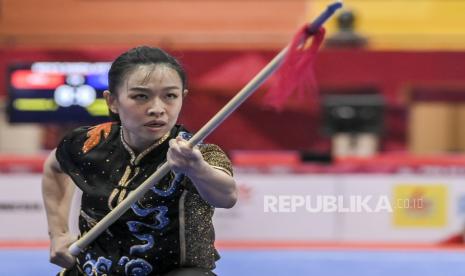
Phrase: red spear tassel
x=296 y=71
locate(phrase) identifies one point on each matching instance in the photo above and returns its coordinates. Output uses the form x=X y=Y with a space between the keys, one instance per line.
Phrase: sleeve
x=68 y=150
x=69 y=156
x=216 y=157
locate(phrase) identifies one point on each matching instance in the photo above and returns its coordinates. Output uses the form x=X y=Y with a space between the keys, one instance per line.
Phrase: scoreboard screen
x=57 y=92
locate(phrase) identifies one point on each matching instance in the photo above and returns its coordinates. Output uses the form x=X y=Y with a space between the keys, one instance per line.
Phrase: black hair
x=142 y=55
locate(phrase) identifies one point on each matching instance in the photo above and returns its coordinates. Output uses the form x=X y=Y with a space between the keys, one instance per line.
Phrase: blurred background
x=388 y=121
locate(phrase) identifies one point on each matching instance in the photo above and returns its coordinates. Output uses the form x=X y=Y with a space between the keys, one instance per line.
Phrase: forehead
x=153 y=75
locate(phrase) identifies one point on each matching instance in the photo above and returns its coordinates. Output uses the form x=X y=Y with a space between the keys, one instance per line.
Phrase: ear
x=111 y=100
x=184 y=93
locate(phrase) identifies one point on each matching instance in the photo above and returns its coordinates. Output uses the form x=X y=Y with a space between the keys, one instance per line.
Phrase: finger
x=195 y=155
x=63 y=260
x=170 y=157
x=185 y=150
x=172 y=161
x=186 y=144
x=175 y=155
x=182 y=141
x=182 y=150
x=56 y=261
x=69 y=260
x=179 y=138
x=196 y=149
x=174 y=146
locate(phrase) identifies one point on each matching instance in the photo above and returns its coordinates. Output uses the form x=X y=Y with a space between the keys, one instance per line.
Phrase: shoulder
x=99 y=134
x=86 y=138
x=83 y=140
x=210 y=149
x=216 y=157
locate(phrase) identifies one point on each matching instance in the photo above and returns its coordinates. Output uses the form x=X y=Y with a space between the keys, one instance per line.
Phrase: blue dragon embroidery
x=140 y=267
x=99 y=267
x=136 y=267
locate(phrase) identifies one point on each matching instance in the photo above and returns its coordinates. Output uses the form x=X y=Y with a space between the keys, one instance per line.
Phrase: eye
x=139 y=97
x=172 y=96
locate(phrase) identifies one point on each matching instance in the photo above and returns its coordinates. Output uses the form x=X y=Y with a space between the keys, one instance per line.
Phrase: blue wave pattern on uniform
x=187 y=136
x=135 y=226
x=173 y=185
x=99 y=267
x=139 y=266
x=136 y=267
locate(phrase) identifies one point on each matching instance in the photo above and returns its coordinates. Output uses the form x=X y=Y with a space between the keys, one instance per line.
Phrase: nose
x=156 y=108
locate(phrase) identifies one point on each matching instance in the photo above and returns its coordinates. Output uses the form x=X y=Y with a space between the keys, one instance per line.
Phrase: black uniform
x=170 y=227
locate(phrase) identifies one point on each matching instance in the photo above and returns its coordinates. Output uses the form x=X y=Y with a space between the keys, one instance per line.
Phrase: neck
x=140 y=146
x=136 y=146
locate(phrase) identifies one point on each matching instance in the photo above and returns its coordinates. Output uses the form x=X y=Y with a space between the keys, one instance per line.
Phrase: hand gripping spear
x=209 y=127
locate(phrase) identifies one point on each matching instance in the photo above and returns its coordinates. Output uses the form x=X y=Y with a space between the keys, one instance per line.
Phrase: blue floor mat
x=285 y=263
x=342 y=263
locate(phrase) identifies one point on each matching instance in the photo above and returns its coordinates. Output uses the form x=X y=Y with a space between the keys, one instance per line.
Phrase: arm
x=215 y=186
x=57 y=193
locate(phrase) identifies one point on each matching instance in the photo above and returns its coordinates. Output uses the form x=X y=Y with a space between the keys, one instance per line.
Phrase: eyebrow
x=146 y=89
x=174 y=87
x=139 y=89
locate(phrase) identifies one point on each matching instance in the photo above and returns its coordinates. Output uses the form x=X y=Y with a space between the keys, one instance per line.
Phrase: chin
x=155 y=135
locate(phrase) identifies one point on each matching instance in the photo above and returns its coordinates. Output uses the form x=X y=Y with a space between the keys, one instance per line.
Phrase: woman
x=167 y=232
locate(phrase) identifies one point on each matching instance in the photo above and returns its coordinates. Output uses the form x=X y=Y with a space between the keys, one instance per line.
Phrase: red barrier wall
x=215 y=76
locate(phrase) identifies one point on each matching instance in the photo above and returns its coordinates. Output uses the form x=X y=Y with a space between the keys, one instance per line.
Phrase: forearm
x=57 y=193
x=214 y=186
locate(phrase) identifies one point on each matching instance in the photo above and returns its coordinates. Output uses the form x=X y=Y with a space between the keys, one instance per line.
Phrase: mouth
x=155 y=124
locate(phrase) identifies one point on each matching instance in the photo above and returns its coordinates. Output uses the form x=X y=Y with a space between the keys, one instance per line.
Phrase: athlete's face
x=148 y=103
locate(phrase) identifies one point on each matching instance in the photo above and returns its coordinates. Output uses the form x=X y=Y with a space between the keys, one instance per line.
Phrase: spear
x=208 y=128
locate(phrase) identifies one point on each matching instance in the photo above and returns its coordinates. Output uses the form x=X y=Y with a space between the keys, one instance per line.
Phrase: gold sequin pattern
x=199 y=232
x=216 y=157
x=126 y=179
